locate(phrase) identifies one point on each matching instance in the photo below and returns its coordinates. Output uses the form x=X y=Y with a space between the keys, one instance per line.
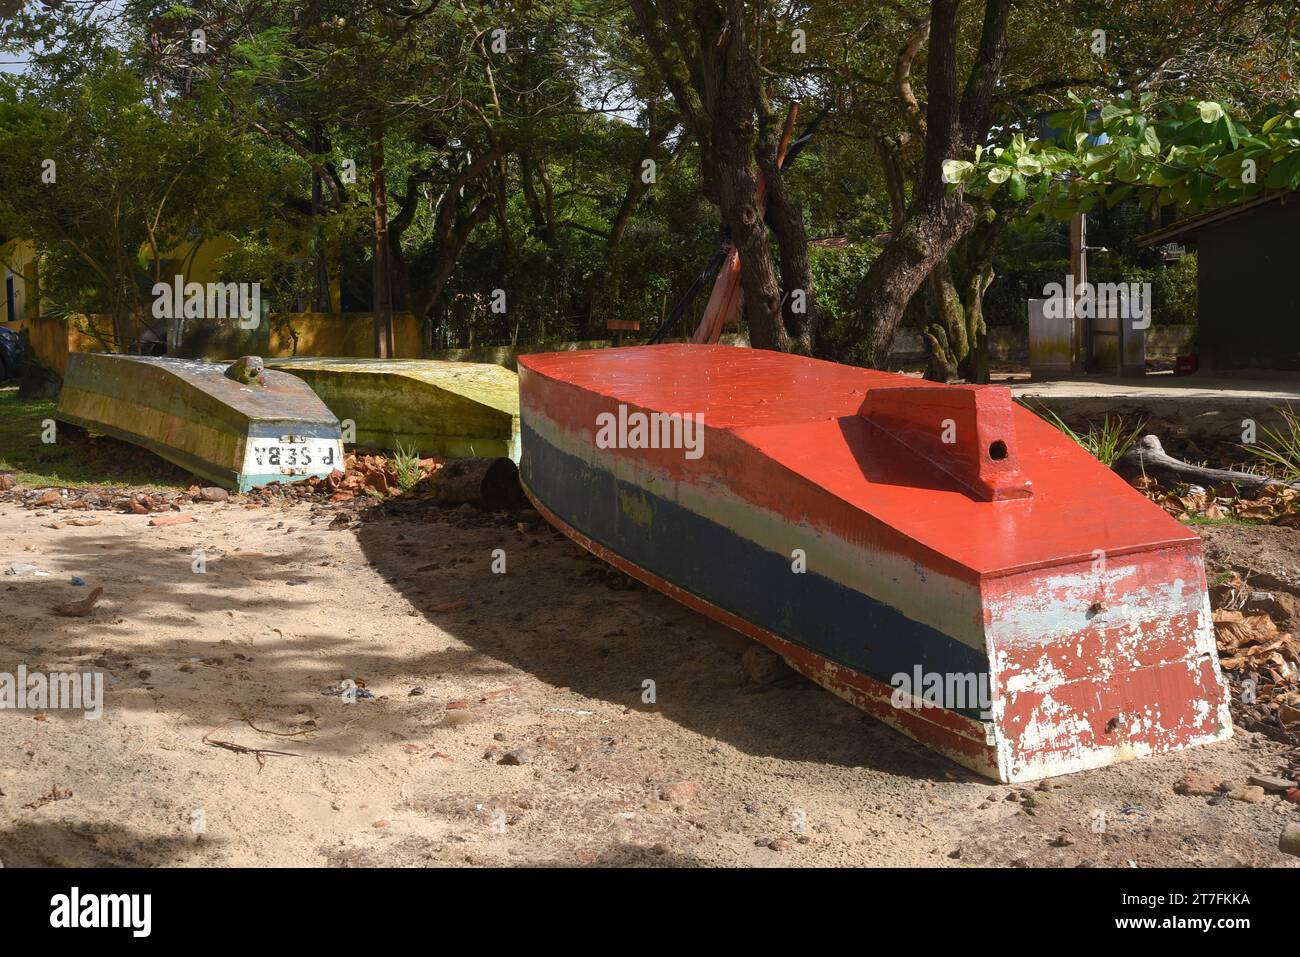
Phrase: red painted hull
x=960 y=569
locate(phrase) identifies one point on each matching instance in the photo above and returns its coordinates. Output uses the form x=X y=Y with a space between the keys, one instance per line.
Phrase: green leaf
x=1231 y=130
x=957 y=171
x=1210 y=111
x=1284 y=174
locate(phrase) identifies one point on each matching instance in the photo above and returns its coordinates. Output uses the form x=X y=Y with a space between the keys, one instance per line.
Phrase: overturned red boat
x=936 y=555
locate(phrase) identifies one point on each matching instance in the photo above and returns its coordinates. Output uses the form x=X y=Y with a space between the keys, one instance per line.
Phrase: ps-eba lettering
x=74 y=909
x=651 y=430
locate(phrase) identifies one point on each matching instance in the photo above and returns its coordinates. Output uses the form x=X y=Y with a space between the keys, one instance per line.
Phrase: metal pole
x=1079 y=333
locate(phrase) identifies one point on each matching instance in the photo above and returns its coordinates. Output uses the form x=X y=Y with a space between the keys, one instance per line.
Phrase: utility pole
x=1079 y=345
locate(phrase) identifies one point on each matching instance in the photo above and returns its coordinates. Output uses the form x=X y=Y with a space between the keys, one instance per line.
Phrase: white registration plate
x=292 y=455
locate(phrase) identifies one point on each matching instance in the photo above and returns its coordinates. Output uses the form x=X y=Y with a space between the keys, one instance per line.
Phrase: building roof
x=1189 y=227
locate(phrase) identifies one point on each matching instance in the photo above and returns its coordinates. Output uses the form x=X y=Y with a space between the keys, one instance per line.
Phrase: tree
x=1019 y=67
x=711 y=64
x=957 y=117
x=1192 y=155
x=94 y=170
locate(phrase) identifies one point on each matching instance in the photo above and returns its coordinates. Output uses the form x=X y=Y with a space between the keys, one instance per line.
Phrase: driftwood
x=1148 y=457
x=489 y=483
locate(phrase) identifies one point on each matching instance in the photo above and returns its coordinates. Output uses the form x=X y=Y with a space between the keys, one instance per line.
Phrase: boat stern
x=1102 y=660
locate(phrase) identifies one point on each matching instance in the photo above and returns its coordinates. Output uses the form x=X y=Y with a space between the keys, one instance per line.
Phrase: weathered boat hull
x=189 y=413
x=444 y=409
x=1061 y=625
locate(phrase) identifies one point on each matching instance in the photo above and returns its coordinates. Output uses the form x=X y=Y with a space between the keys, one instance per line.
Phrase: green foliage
x=1106 y=442
x=286 y=281
x=159 y=147
x=1193 y=154
x=836 y=273
x=1279 y=451
x=1173 y=288
x=406 y=464
x=129 y=181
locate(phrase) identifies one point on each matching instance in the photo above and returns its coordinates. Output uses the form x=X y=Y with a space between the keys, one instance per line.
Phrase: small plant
x=1106 y=442
x=406 y=465
x=1280 y=450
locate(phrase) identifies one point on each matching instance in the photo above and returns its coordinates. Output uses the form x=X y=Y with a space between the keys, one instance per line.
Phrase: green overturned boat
x=234 y=424
x=443 y=409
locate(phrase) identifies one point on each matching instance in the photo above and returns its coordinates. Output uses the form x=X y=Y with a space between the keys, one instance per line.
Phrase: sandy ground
x=547 y=662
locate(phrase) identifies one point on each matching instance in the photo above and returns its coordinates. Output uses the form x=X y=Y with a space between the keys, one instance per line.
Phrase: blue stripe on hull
x=729 y=571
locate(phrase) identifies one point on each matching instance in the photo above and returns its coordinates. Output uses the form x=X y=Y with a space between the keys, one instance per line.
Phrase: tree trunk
x=957 y=336
x=733 y=108
x=381 y=301
x=936 y=219
x=449 y=250
x=321 y=298
x=785 y=216
x=945 y=335
x=926 y=237
x=738 y=185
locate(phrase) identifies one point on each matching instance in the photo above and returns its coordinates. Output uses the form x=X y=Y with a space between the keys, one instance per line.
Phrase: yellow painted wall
x=350 y=335
x=52 y=339
x=49 y=341
x=206 y=267
x=318 y=334
x=203 y=267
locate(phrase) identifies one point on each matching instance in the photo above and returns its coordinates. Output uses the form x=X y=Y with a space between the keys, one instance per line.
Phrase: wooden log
x=491 y=483
x=1148 y=457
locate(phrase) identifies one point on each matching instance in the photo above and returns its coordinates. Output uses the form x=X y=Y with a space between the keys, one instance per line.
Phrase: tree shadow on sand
x=574 y=622
x=279 y=681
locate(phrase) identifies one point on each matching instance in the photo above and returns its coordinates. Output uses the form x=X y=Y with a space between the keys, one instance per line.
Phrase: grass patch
x=1279 y=453
x=1226 y=520
x=76 y=458
x=406 y=465
x=1106 y=442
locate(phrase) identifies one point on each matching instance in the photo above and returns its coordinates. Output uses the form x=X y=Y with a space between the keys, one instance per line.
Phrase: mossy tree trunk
x=956 y=337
